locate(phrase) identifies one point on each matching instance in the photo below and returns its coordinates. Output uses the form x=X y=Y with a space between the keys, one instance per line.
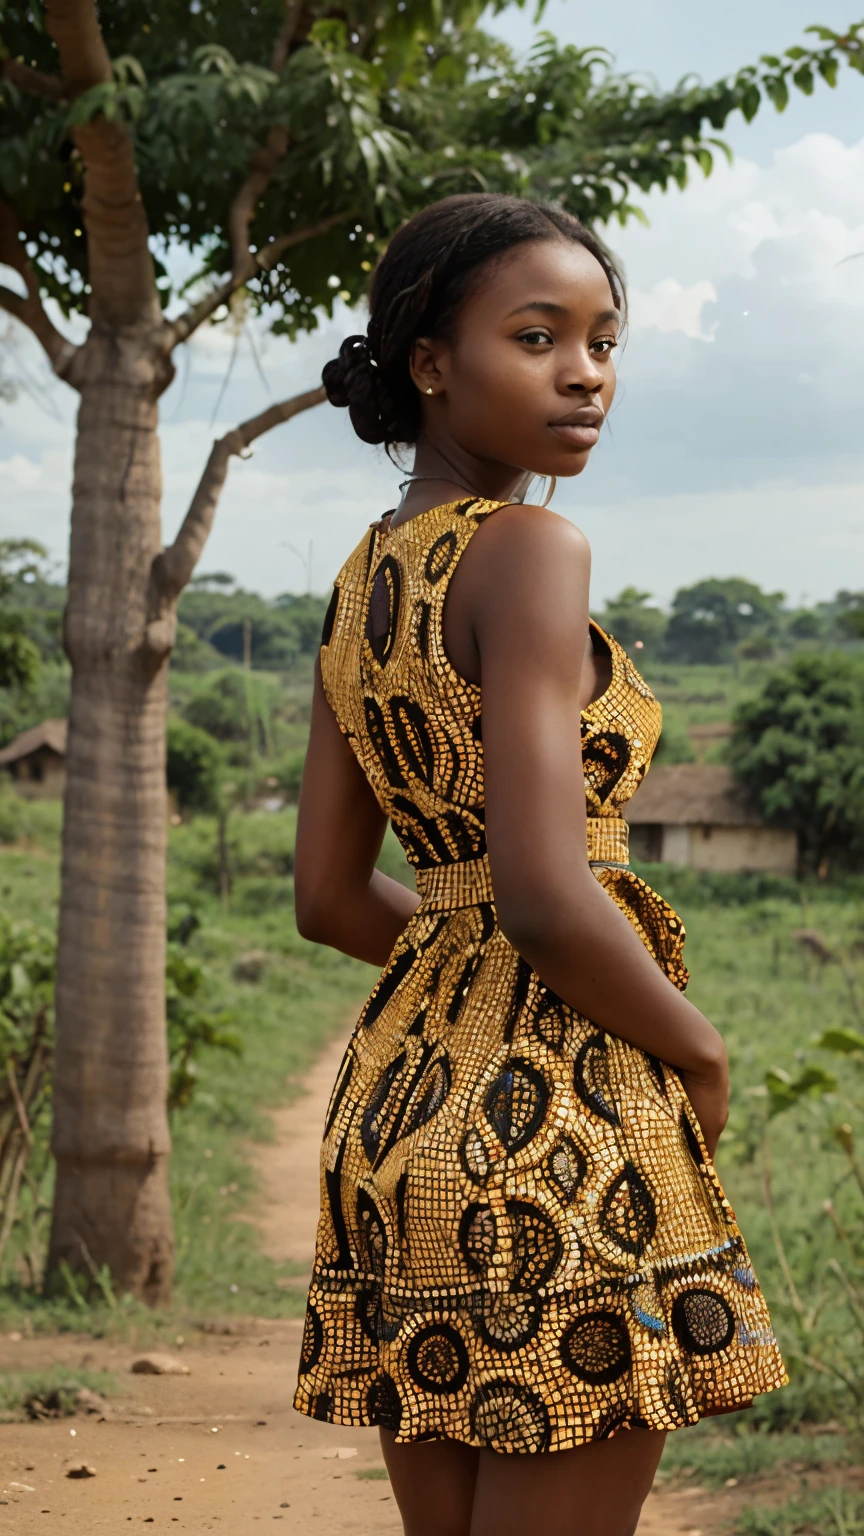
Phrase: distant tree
x=805 y=624
x=849 y=607
x=709 y=620
x=756 y=647
x=21 y=561
x=635 y=622
x=208 y=580
x=799 y=749
x=194 y=767
x=279 y=144
x=220 y=707
x=283 y=629
x=191 y=654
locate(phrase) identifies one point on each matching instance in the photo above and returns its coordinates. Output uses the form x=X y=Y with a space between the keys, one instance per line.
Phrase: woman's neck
x=445 y=472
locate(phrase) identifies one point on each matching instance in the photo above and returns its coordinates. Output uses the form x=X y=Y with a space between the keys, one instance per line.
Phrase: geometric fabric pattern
x=523 y=1244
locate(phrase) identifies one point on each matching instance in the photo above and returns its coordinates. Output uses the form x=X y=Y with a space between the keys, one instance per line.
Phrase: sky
x=735 y=443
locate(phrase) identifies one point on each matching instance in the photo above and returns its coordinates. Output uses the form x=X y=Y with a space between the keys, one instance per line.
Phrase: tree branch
x=261 y=261
x=29 y=310
x=174 y=566
x=264 y=160
x=121 y=267
x=282 y=45
x=73 y=26
x=33 y=82
x=264 y=163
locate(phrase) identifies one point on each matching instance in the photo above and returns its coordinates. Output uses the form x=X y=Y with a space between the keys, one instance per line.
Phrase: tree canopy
x=799 y=749
x=335 y=123
x=711 y=619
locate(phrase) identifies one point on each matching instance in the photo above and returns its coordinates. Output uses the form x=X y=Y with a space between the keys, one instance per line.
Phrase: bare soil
x=222 y=1449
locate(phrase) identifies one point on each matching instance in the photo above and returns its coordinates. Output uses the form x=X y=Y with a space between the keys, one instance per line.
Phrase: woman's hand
x=708 y=1092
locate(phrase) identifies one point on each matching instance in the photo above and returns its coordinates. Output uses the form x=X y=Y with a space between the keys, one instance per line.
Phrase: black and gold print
x=523 y=1244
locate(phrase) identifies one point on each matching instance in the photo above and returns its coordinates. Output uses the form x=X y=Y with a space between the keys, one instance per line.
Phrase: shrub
x=798 y=747
x=193 y=766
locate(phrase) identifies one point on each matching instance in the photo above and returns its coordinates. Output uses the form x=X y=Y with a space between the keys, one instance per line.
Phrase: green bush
x=235 y=707
x=284 y=775
x=14 y=820
x=194 y=766
x=191 y=1028
x=798 y=748
x=192 y=654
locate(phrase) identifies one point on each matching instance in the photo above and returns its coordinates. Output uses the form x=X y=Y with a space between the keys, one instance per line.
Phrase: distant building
x=36 y=760
x=694 y=814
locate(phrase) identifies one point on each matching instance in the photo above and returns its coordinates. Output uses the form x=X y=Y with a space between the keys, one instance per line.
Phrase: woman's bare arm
x=340 y=898
x=524 y=579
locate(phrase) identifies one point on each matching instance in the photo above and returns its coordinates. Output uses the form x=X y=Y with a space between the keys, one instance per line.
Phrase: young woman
x=527 y=1271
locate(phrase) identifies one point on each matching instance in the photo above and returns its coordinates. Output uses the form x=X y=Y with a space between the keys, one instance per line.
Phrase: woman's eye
x=535 y=338
x=607 y=344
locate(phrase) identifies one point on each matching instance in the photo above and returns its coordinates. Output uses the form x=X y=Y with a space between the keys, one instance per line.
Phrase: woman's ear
x=423 y=367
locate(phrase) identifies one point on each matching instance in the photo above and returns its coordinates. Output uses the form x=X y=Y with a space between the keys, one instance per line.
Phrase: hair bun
x=351 y=380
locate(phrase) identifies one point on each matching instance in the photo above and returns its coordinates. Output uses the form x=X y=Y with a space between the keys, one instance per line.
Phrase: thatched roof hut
x=696 y=814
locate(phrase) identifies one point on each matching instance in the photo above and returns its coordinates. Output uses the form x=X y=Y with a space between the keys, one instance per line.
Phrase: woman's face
x=528 y=378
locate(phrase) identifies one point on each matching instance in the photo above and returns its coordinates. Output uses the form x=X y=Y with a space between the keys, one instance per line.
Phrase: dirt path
x=222 y=1449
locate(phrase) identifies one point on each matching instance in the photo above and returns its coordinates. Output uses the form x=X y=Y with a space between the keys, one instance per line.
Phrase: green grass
x=832 y=1512
x=58 y=1385
x=713 y=1453
x=372 y=1474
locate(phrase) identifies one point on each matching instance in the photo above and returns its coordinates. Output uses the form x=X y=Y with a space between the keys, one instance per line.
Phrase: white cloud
x=19 y=473
x=669 y=306
x=811 y=195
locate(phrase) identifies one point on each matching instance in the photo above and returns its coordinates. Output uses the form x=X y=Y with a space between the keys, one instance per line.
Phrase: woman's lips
x=577 y=434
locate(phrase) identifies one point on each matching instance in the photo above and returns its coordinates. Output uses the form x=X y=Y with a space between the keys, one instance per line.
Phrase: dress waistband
x=448 y=886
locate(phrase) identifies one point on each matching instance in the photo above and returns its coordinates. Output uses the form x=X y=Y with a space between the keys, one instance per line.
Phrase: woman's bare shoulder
x=529 y=541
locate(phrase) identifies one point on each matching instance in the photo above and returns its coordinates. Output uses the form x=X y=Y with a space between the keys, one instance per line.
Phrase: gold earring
x=429 y=390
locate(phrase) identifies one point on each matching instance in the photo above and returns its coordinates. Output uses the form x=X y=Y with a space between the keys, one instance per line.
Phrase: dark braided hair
x=425 y=274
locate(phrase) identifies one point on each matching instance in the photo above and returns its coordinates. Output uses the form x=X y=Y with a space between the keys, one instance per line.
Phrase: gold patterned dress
x=523 y=1244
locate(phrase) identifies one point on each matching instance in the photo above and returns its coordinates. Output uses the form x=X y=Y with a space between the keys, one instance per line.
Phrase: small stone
x=341 y=1453
x=731 y=1482
x=82 y=1469
x=160 y=1365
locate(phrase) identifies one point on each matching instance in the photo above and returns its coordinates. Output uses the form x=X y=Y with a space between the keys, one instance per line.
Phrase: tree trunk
x=110 y=1136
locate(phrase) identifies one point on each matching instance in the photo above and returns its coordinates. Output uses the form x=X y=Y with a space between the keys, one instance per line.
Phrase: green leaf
x=777 y=91
x=127 y=68
x=843 y=1042
x=750 y=102
x=784 y=1091
x=706 y=161
x=829 y=69
x=804 y=79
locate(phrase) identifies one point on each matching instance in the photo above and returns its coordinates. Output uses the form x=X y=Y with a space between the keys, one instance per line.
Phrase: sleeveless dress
x=523 y=1243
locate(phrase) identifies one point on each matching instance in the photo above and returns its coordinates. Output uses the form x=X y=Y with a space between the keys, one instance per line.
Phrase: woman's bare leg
x=433 y=1484
x=597 y=1490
